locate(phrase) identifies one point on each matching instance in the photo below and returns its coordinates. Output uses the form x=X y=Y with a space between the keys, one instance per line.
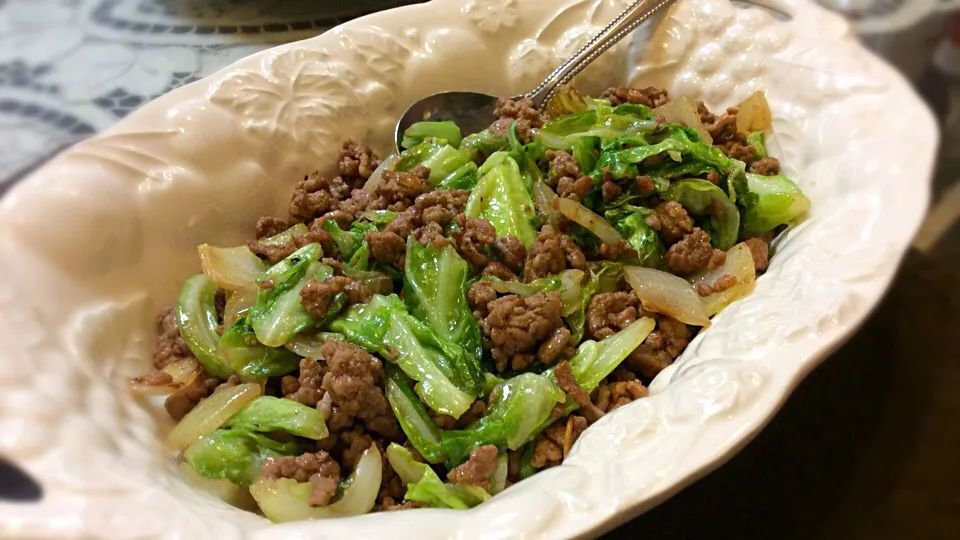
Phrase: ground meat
x=660 y=348
x=554 y=347
x=389 y=504
x=691 y=254
x=272 y=226
x=551 y=253
x=360 y=201
x=316 y=195
x=713 y=177
x=610 y=190
x=498 y=269
x=516 y=326
x=431 y=234
x=302 y=467
x=442 y=206
x=672 y=222
x=170 y=346
x=555 y=442
x=353 y=444
x=739 y=149
x=563 y=164
x=474 y=413
x=721 y=284
x=400 y=189
x=354 y=380
x=477 y=469
x=645 y=185
x=183 y=401
x=526 y=115
x=767 y=166
x=706 y=117
x=306 y=388
x=511 y=252
x=276 y=252
x=357 y=163
x=574 y=188
x=649 y=96
x=608 y=313
x=317 y=296
x=479 y=295
x=324 y=490
x=473 y=237
x=760 y=251
x=387 y=248
x=565 y=380
x=610 y=395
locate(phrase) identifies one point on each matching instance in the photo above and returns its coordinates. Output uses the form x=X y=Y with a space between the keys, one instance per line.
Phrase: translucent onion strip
x=230 y=268
x=387 y=163
x=211 y=413
x=589 y=220
x=668 y=294
x=172 y=378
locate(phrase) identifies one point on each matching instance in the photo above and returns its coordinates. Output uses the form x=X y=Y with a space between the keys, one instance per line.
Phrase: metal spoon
x=472 y=110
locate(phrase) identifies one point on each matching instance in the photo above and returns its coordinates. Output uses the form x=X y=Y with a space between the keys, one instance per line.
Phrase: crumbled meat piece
x=307 y=389
x=183 y=401
x=563 y=164
x=713 y=177
x=723 y=283
x=723 y=128
x=691 y=254
x=442 y=206
x=673 y=222
x=574 y=188
x=272 y=226
x=479 y=295
x=661 y=348
x=737 y=149
x=317 y=296
x=276 y=252
x=357 y=163
x=555 y=442
x=477 y=469
x=473 y=238
x=400 y=189
x=608 y=313
x=354 y=443
x=387 y=248
x=767 y=166
x=706 y=117
x=170 y=346
x=354 y=380
x=610 y=190
x=555 y=346
x=389 y=504
x=405 y=223
x=443 y=421
x=511 y=252
x=516 y=326
x=565 y=380
x=337 y=420
x=649 y=96
x=760 y=251
x=302 y=467
x=498 y=269
x=431 y=234
x=645 y=185
x=551 y=253
x=615 y=252
x=610 y=395
x=474 y=413
x=324 y=489
x=360 y=201
x=526 y=115
x=391 y=486
x=316 y=195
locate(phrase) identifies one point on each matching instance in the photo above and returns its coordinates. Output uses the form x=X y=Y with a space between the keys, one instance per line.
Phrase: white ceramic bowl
x=95 y=242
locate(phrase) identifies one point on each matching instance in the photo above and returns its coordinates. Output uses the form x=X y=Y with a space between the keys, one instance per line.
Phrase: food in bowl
x=430 y=328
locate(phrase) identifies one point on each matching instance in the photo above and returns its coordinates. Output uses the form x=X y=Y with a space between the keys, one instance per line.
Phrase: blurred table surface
x=867 y=447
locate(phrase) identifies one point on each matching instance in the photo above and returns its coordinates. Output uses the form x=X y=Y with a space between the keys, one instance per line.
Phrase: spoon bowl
x=472 y=111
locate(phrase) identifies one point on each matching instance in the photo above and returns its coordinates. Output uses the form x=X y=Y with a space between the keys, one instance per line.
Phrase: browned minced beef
x=566 y=381
x=498 y=269
x=567 y=177
x=357 y=163
x=400 y=189
x=767 y=166
x=610 y=190
x=443 y=206
x=472 y=238
x=317 y=296
x=355 y=380
x=350 y=209
x=526 y=115
x=387 y=248
x=649 y=96
x=319 y=468
x=563 y=164
x=170 y=346
x=516 y=326
x=277 y=252
x=316 y=195
x=574 y=188
x=670 y=221
x=555 y=442
x=608 y=313
x=272 y=226
x=511 y=252
x=551 y=253
x=477 y=469
x=613 y=394
x=722 y=283
x=389 y=504
x=645 y=185
x=556 y=346
x=183 y=401
x=306 y=387
x=760 y=251
x=693 y=253
x=479 y=296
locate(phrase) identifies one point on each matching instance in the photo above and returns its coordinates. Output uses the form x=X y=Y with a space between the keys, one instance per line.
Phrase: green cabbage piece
x=425 y=486
x=197 y=321
x=771 y=201
x=421 y=131
x=502 y=199
x=235 y=454
x=267 y=413
x=701 y=198
x=241 y=350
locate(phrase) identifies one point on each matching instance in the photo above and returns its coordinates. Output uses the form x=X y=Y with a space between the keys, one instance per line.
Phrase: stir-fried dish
x=430 y=328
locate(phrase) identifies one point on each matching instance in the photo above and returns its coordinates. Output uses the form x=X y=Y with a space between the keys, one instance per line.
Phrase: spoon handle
x=620 y=27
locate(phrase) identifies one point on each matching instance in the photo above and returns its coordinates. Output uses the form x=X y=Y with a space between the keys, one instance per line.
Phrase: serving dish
x=96 y=241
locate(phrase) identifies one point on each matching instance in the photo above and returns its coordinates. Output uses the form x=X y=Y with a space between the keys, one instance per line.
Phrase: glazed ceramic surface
x=96 y=242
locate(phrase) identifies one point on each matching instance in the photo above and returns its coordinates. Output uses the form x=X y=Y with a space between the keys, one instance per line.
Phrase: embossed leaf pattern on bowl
x=202 y=163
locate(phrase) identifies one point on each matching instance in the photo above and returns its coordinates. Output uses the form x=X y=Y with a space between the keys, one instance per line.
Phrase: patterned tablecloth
x=71 y=68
